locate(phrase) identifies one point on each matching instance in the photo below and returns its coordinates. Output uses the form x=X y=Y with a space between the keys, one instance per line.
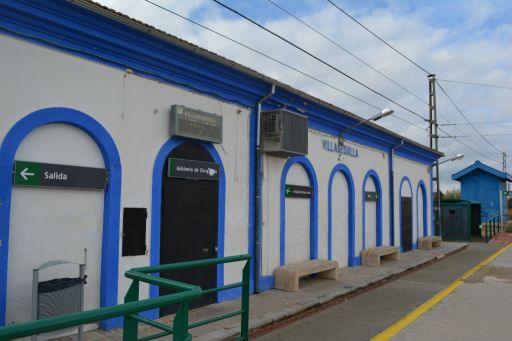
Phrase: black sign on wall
x=134 y=231
x=294 y=191
x=371 y=196
x=36 y=174
x=191 y=169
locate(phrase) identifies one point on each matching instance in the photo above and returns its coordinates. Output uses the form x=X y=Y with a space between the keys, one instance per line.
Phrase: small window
x=134 y=231
x=452 y=211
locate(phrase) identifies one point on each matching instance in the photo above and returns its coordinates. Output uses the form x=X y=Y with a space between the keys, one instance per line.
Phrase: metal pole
x=501 y=211
x=433 y=129
x=258 y=217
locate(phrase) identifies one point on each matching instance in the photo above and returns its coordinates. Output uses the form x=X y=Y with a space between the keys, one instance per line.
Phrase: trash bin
x=59 y=296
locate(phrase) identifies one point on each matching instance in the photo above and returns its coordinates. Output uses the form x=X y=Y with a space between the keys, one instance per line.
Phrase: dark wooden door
x=189 y=231
x=406 y=203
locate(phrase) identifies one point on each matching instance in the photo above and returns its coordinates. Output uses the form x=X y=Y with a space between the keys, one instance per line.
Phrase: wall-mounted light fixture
x=385 y=112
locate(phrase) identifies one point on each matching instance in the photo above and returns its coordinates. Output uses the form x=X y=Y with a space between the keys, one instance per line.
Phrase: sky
x=460 y=40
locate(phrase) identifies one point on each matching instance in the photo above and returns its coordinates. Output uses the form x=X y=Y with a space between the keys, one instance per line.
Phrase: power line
x=279 y=62
x=460 y=131
x=476 y=123
x=452 y=136
x=347 y=51
x=263 y=54
x=477 y=84
x=378 y=37
x=462 y=114
x=316 y=58
x=471 y=148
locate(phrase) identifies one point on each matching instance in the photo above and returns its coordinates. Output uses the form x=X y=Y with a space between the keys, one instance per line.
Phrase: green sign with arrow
x=27 y=173
x=37 y=174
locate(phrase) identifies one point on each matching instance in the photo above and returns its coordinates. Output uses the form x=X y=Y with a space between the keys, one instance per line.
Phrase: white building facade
x=83 y=86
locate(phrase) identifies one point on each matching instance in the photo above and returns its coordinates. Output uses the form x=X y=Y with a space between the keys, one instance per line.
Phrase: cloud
x=461 y=40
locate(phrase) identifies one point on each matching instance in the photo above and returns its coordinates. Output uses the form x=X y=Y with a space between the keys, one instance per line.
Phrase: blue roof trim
x=478 y=165
x=79 y=31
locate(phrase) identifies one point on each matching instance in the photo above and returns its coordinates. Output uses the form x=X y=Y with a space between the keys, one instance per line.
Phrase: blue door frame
x=112 y=198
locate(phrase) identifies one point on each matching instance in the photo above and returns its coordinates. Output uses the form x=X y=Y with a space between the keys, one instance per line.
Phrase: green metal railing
x=492 y=226
x=132 y=306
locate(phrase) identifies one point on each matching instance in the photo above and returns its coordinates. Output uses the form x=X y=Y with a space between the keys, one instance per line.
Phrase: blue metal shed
x=483 y=184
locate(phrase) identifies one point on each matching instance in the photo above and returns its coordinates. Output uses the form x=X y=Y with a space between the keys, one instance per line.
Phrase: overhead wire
x=278 y=61
x=476 y=84
x=410 y=60
x=263 y=54
x=465 y=117
x=347 y=51
x=469 y=136
x=471 y=148
x=476 y=123
x=452 y=152
x=378 y=37
x=316 y=58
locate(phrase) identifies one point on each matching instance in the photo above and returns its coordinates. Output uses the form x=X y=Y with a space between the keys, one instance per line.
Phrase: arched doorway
x=189 y=217
x=421 y=210
x=372 y=210
x=406 y=215
x=341 y=236
x=109 y=219
x=299 y=225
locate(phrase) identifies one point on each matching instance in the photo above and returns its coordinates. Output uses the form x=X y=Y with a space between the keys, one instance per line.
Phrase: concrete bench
x=428 y=242
x=372 y=256
x=287 y=277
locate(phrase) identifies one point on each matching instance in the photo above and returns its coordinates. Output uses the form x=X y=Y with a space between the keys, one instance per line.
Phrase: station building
x=140 y=147
x=484 y=184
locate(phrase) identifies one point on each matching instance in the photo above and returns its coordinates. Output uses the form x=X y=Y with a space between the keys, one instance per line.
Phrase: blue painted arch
x=112 y=198
x=156 y=207
x=421 y=190
x=378 y=187
x=343 y=169
x=313 y=216
x=405 y=179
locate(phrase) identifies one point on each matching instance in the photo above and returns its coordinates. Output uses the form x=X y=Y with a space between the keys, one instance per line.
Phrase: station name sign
x=334 y=147
x=191 y=169
x=37 y=174
x=294 y=191
x=196 y=124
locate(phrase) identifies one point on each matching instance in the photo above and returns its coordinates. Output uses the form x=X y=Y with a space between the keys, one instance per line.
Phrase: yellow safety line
x=396 y=327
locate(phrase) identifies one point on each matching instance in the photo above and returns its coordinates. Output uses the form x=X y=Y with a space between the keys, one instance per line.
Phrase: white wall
x=415 y=172
x=50 y=224
x=340 y=216
x=370 y=212
x=297 y=220
x=323 y=162
x=135 y=111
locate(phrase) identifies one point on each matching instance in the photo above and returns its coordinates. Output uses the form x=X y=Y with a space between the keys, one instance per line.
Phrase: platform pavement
x=274 y=305
x=479 y=309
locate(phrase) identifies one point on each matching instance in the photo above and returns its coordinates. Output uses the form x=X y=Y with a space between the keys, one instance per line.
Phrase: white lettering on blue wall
x=334 y=147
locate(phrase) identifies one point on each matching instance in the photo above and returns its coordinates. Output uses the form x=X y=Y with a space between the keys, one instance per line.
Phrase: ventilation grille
x=284 y=133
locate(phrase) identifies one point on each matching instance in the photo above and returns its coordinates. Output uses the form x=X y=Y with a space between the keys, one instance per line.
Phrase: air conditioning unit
x=284 y=133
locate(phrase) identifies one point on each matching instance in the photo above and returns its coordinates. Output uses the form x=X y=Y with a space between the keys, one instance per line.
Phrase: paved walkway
x=479 y=309
x=365 y=315
x=502 y=238
x=274 y=305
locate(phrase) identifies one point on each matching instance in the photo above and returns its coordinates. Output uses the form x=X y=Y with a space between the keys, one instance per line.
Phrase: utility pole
x=432 y=111
x=505 y=167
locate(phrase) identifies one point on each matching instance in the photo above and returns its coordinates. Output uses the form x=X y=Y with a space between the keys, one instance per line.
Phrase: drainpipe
x=257 y=196
x=392 y=192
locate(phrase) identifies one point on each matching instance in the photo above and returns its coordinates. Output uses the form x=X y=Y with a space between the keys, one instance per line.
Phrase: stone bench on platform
x=287 y=277
x=429 y=242
x=372 y=256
